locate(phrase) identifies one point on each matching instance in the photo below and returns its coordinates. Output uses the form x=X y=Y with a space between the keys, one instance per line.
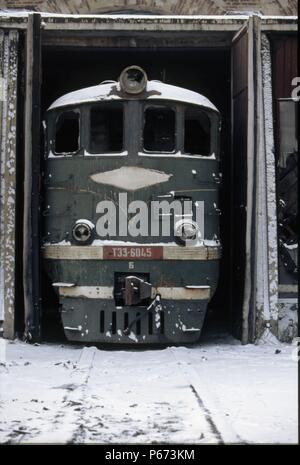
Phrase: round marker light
x=186 y=230
x=82 y=231
x=133 y=80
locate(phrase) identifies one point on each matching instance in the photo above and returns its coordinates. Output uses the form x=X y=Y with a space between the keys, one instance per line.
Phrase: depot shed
x=245 y=64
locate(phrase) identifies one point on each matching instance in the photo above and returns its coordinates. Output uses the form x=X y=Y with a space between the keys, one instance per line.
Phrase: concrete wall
x=175 y=7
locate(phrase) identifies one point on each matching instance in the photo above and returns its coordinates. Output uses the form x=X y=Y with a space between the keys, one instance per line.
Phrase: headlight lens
x=133 y=80
x=186 y=230
x=82 y=231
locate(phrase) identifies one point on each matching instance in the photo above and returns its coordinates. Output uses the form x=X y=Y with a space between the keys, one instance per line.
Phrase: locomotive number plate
x=132 y=253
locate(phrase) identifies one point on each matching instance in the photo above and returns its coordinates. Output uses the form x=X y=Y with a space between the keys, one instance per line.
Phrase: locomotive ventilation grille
x=139 y=323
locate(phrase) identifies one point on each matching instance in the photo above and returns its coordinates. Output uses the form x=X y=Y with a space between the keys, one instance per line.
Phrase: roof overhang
x=146 y=23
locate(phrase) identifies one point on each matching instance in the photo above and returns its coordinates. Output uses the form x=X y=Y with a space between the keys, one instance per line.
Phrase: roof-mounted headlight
x=82 y=232
x=133 y=80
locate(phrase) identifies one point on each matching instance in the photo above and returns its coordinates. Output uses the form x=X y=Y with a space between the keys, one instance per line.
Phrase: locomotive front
x=131 y=219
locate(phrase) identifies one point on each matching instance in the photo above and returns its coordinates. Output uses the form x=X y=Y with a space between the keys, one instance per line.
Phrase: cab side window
x=67 y=133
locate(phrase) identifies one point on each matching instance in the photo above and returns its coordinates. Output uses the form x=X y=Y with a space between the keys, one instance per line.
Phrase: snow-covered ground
x=216 y=392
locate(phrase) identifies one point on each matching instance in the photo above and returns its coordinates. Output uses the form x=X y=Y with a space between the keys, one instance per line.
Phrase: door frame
x=60 y=28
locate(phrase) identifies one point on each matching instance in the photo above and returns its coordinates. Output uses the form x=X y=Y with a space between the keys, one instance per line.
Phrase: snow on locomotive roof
x=161 y=91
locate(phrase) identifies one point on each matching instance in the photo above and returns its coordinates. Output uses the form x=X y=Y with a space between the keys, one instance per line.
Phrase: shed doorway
x=203 y=70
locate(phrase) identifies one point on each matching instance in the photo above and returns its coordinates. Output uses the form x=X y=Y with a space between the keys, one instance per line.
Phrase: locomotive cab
x=131 y=220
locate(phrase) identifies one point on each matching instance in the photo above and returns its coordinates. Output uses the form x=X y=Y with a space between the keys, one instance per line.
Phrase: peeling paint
x=9 y=63
x=270 y=173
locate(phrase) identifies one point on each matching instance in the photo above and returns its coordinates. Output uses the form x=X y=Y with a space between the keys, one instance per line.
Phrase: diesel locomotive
x=130 y=212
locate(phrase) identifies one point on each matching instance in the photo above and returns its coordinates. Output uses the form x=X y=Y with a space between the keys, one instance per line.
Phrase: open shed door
x=242 y=180
x=32 y=157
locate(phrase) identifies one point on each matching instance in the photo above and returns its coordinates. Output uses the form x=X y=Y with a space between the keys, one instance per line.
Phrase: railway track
x=213 y=422
x=201 y=389
x=131 y=396
x=62 y=414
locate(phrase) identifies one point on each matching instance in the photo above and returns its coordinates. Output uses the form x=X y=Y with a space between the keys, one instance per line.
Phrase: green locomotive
x=131 y=219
